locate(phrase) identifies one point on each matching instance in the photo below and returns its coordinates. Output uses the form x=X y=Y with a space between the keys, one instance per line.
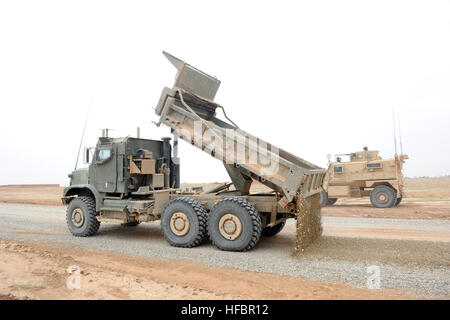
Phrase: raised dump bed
x=188 y=108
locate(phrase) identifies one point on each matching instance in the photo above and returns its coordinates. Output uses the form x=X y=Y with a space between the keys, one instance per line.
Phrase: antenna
x=84 y=129
x=397 y=168
x=400 y=133
x=395 y=136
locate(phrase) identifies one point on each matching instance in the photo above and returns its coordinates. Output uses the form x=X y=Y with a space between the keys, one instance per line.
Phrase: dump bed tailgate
x=189 y=110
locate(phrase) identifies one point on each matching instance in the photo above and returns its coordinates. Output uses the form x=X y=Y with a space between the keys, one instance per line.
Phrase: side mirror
x=86 y=157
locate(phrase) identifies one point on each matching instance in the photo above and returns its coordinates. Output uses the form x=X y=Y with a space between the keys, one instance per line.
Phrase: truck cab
x=128 y=180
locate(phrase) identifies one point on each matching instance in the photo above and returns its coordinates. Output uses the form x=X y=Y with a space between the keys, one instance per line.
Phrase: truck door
x=103 y=170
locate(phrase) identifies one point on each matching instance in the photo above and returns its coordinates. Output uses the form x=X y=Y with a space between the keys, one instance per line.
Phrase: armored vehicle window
x=338 y=169
x=103 y=154
x=374 y=165
x=369 y=154
x=353 y=155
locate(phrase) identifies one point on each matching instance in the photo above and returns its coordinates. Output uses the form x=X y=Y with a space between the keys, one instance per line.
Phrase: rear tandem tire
x=81 y=217
x=183 y=222
x=331 y=201
x=234 y=225
x=383 y=197
x=397 y=202
x=271 y=231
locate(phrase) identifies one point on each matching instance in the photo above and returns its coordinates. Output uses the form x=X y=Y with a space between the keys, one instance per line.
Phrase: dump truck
x=134 y=180
x=365 y=174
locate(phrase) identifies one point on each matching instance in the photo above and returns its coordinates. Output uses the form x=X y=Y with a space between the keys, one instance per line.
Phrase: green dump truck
x=133 y=180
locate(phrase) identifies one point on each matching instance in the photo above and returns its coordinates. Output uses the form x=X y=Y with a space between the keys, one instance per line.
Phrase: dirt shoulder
x=410 y=208
x=35 y=271
x=32 y=194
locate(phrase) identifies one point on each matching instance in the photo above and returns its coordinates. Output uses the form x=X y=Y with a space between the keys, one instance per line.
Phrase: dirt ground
x=45 y=194
x=35 y=271
x=425 y=198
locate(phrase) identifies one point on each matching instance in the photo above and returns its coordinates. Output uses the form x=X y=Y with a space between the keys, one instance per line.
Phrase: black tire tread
x=254 y=215
x=90 y=217
x=202 y=219
x=387 y=189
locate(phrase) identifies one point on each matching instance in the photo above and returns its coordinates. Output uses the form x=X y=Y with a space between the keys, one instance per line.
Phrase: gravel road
x=416 y=267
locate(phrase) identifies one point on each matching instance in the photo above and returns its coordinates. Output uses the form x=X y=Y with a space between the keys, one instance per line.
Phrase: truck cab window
x=103 y=155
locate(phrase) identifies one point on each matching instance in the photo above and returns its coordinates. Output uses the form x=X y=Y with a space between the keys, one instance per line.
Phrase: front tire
x=234 y=225
x=81 y=217
x=183 y=222
x=383 y=197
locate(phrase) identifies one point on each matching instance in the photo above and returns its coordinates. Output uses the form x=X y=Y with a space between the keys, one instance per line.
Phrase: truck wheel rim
x=230 y=226
x=77 y=217
x=382 y=197
x=179 y=224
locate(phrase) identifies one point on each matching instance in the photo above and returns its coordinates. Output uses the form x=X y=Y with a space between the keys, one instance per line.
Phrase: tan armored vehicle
x=365 y=174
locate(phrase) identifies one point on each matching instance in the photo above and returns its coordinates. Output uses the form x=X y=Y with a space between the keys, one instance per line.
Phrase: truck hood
x=79 y=176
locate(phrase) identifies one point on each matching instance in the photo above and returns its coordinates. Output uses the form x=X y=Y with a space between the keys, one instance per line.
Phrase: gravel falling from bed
x=309 y=224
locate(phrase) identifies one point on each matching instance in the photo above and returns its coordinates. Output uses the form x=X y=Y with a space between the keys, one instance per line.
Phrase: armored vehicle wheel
x=383 y=197
x=234 y=225
x=131 y=224
x=271 y=231
x=397 y=202
x=81 y=217
x=183 y=222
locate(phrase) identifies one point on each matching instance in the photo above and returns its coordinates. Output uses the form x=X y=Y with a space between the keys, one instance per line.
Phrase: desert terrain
x=410 y=244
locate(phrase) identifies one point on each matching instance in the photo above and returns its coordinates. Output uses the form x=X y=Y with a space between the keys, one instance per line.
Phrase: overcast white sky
x=311 y=77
